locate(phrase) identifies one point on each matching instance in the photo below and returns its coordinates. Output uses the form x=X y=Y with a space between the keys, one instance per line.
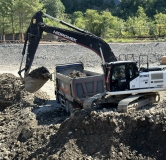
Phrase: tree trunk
x=3 y=38
x=3 y=30
x=13 y=33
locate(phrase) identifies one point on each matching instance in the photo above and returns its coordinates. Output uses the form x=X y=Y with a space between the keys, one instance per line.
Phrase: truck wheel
x=58 y=98
x=67 y=106
x=71 y=111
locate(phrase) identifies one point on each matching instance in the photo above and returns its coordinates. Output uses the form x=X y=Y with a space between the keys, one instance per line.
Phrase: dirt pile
x=29 y=131
x=12 y=92
x=19 y=131
x=109 y=135
x=76 y=74
x=41 y=73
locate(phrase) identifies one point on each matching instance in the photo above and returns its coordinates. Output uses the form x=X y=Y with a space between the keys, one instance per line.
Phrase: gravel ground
x=33 y=126
x=51 y=54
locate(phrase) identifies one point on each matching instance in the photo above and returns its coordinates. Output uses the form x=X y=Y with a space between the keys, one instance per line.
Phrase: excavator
x=128 y=86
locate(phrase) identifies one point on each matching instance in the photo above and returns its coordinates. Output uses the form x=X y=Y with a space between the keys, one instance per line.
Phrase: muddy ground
x=34 y=127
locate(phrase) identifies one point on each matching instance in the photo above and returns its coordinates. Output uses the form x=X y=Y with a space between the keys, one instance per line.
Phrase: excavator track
x=129 y=104
x=138 y=101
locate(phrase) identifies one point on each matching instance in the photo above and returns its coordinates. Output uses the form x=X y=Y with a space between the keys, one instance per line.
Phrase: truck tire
x=67 y=106
x=58 y=98
x=71 y=111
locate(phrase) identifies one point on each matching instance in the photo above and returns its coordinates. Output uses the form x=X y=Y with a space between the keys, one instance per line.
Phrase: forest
x=108 y=19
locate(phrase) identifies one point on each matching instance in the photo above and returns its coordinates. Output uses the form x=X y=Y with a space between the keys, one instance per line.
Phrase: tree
x=160 y=22
x=25 y=9
x=71 y=6
x=3 y=18
x=102 y=24
x=54 y=8
x=111 y=25
x=78 y=19
x=129 y=7
x=15 y=15
x=9 y=14
x=138 y=25
x=82 y=5
x=160 y=18
x=93 y=22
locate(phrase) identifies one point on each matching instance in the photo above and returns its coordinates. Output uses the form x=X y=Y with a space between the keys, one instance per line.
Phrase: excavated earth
x=33 y=126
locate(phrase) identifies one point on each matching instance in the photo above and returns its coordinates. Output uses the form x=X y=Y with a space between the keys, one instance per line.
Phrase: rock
x=25 y=134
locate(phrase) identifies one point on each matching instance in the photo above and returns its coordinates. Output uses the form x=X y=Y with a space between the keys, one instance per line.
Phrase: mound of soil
x=40 y=73
x=85 y=135
x=20 y=134
x=75 y=74
x=109 y=135
x=12 y=91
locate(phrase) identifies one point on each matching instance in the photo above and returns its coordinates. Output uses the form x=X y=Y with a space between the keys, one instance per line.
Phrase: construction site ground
x=34 y=127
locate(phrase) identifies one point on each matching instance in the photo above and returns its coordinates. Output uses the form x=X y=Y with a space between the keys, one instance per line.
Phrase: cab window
x=118 y=72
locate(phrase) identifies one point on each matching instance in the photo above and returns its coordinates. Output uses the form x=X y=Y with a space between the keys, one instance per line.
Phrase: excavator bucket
x=36 y=79
x=33 y=84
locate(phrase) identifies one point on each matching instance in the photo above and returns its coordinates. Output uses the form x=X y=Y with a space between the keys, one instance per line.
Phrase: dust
x=88 y=135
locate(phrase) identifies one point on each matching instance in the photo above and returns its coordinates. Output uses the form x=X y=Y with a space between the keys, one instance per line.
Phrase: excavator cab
x=120 y=74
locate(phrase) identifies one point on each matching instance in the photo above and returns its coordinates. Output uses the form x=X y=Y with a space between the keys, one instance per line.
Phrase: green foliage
x=93 y=22
x=138 y=25
x=78 y=19
x=15 y=15
x=160 y=21
x=102 y=24
x=151 y=7
x=82 y=5
x=54 y=8
x=131 y=18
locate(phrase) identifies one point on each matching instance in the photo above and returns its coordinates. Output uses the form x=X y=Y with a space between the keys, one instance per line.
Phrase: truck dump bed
x=78 y=88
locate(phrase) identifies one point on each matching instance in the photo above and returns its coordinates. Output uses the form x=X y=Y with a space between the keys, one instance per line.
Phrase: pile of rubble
x=41 y=73
x=75 y=74
x=28 y=134
x=12 y=92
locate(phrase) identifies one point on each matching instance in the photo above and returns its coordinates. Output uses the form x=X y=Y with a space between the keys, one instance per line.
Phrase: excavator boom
x=87 y=40
x=78 y=36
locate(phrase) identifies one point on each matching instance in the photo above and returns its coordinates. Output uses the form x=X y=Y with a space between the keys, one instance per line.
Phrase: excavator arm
x=87 y=40
x=33 y=35
x=80 y=37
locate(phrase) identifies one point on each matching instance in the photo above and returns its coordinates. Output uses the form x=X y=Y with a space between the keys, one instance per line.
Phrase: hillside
x=81 y=5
